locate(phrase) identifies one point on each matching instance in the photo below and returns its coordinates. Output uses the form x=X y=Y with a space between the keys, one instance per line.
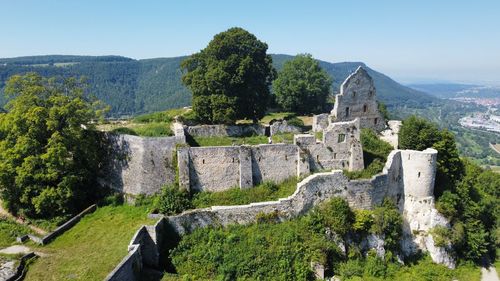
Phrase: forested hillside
x=132 y=87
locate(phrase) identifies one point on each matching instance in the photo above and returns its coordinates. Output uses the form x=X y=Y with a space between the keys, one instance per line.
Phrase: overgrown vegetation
x=173 y=201
x=266 y=191
x=281 y=251
x=227 y=141
x=375 y=152
x=146 y=130
x=50 y=154
x=466 y=194
x=9 y=230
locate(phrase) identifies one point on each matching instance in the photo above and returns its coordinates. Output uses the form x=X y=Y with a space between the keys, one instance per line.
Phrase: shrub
x=441 y=236
x=351 y=268
x=363 y=221
x=337 y=215
x=294 y=121
x=387 y=221
x=172 y=200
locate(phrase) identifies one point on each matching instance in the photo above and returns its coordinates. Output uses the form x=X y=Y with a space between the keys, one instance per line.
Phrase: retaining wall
x=61 y=229
x=225 y=130
x=141 y=165
x=143 y=251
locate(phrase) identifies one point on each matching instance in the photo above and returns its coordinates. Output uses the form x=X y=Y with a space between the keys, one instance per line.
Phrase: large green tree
x=230 y=78
x=49 y=152
x=302 y=86
x=419 y=134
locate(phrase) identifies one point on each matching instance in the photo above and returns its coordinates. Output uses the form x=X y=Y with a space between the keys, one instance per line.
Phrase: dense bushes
x=284 y=251
x=172 y=200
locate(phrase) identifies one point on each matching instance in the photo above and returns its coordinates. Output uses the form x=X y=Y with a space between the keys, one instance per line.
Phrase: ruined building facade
x=357 y=99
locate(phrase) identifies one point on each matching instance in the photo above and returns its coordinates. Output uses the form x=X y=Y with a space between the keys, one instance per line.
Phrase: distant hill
x=451 y=90
x=138 y=86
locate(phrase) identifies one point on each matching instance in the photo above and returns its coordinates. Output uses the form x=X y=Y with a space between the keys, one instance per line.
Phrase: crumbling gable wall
x=357 y=99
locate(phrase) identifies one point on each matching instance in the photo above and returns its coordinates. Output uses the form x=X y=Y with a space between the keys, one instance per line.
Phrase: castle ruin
x=408 y=177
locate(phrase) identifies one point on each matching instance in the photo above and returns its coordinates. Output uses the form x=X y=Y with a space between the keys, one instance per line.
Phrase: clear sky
x=417 y=40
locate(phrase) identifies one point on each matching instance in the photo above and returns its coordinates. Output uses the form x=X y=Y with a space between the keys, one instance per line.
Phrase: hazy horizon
x=417 y=42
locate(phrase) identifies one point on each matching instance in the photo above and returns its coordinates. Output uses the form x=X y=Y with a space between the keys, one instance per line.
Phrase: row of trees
x=231 y=78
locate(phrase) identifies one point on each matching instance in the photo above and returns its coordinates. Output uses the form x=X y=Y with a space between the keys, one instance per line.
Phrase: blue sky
x=426 y=40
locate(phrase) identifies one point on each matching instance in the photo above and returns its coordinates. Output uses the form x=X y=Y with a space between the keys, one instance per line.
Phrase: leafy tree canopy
x=230 y=78
x=49 y=152
x=302 y=86
x=419 y=134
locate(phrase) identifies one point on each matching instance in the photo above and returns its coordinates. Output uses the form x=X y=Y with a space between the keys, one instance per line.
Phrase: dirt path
x=4 y=213
x=489 y=274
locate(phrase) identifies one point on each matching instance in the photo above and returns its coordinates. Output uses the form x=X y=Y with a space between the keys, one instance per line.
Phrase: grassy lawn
x=9 y=230
x=156 y=124
x=92 y=248
x=283 y=138
x=228 y=141
x=154 y=129
x=236 y=196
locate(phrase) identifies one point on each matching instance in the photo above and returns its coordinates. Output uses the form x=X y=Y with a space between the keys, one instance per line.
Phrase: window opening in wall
x=343 y=165
x=286 y=157
x=419 y=174
x=335 y=156
x=365 y=108
x=259 y=159
x=317 y=158
x=371 y=93
x=233 y=159
x=347 y=112
x=341 y=138
x=353 y=94
x=375 y=121
x=203 y=161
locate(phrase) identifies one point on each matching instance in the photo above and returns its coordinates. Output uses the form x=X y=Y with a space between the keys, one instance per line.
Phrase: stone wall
x=397 y=182
x=141 y=165
x=320 y=122
x=213 y=168
x=273 y=162
x=340 y=148
x=223 y=167
x=357 y=99
x=407 y=179
x=282 y=126
x=143 y=251
x=225 y=130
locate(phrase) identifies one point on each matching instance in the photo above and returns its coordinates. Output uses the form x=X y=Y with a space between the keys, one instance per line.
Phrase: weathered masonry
x=223 y=167
x=357 y=99
x=407 y=179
